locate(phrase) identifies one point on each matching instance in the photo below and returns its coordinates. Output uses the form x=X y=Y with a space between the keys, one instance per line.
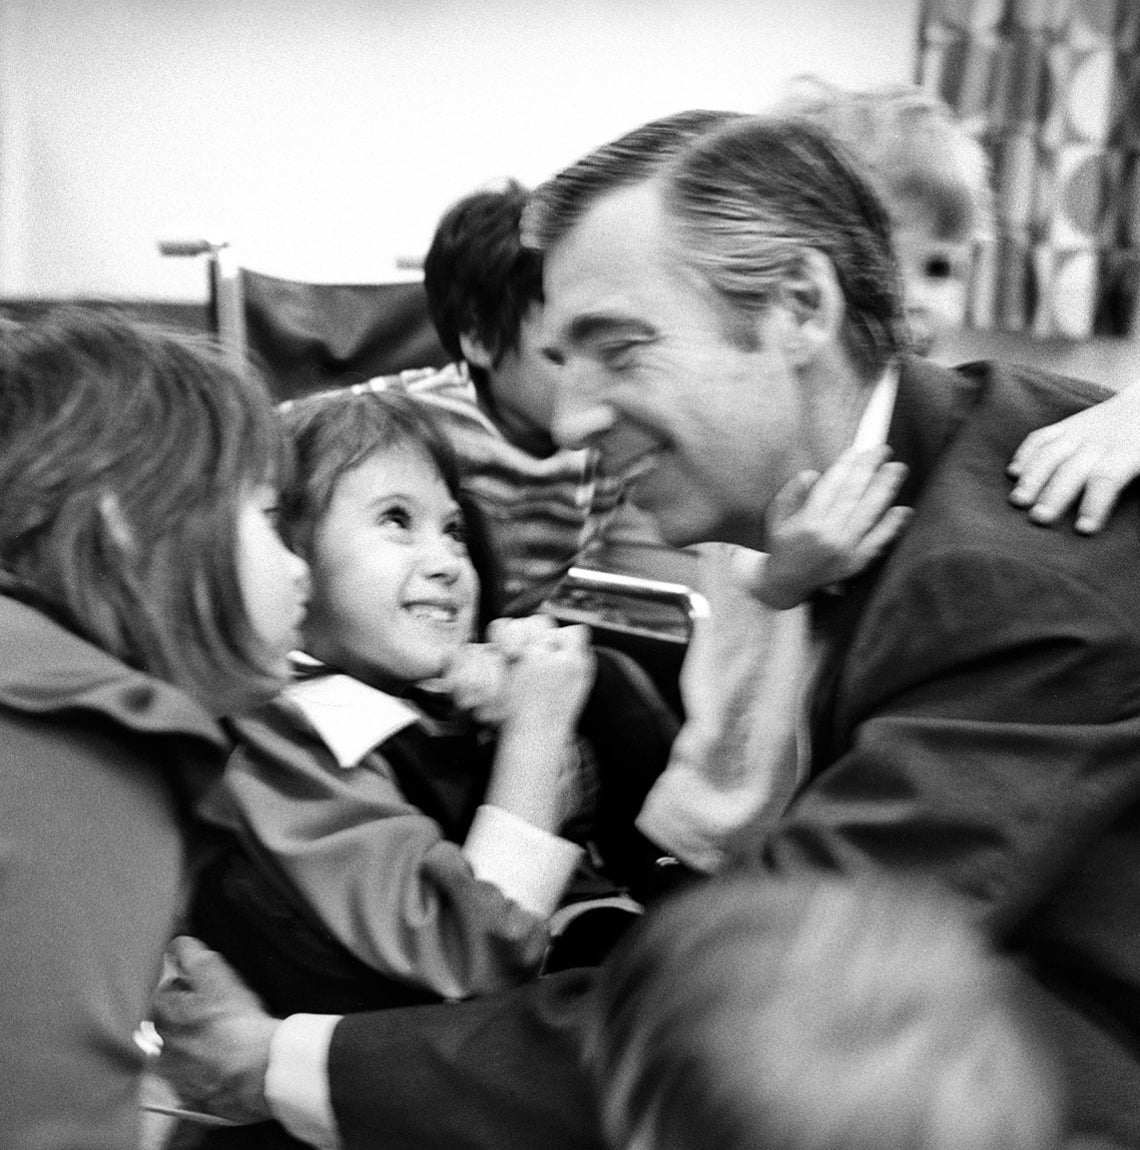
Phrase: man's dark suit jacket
x=977 y=722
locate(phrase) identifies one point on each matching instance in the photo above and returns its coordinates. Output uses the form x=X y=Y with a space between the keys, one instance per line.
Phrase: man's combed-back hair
x=479 y=279
x=820 y=1015
x=126 y=453
x=750 y=196
x=334 y=432
x=753 y=197
x=557 y=205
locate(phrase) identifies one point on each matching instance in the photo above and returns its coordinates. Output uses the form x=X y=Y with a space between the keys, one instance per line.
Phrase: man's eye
x=939 y=268
x=618 y=356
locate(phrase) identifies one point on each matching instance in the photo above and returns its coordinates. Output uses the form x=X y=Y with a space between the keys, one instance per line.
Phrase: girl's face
x=394 y=591
x=274 y=581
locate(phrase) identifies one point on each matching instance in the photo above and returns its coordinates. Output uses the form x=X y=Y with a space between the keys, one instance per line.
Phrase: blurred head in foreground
x=815 y=1015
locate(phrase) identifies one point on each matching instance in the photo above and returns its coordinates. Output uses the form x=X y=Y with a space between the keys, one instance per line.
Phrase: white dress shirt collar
x=875 y=421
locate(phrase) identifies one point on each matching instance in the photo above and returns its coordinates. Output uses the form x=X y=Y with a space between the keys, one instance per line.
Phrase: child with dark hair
x=484 y=293
x=545 y=507
x=143 y=593
x=819 y=1014
x=398 y=808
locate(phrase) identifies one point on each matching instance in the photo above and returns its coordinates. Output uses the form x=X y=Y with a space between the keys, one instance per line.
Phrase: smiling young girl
x=397 y=808
x=143 y=593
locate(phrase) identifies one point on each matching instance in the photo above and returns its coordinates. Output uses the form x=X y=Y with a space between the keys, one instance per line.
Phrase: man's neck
x=836 y=409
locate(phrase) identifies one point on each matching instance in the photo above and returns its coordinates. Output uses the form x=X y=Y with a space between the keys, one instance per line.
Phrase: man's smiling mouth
x=639 y=466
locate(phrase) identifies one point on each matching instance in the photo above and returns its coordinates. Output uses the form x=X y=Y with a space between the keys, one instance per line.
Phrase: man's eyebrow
x=584 y=328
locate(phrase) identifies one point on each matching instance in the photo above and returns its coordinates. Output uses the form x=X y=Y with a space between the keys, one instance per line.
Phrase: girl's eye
x=457 y=530
x=394 y=517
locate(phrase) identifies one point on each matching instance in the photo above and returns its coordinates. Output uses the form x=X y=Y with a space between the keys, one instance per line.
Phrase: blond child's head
x=815 y=1015
x=931 y=173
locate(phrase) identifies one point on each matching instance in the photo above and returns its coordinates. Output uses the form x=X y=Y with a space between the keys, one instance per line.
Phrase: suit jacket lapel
x=931 y=404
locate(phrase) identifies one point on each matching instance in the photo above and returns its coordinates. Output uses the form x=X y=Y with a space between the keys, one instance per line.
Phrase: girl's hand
x=825 y=528
x=550 y=670
x=1092 y=455
x=477 y=682
x=529 y=667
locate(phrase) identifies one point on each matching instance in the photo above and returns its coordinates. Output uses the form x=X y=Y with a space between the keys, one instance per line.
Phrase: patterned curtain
x=1051 y=88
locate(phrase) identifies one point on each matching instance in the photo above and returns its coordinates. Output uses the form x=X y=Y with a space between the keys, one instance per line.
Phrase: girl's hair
x=336 y=431
x=125 y=454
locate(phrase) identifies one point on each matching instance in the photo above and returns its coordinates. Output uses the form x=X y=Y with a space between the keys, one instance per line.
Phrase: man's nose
x=580 y=416
x=580 y=426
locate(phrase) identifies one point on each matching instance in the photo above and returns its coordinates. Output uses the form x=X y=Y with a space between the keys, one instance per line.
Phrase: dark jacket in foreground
x=977 y=722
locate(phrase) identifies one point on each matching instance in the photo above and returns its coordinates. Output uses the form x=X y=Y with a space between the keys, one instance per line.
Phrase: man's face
x=706 y=430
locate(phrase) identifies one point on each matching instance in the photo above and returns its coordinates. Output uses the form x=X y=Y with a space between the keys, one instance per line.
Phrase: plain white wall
x=335 y=132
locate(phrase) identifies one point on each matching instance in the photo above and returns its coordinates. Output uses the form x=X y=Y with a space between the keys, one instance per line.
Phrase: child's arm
x=382 y=877
x=1092 y=455
x=822 y=529
x=551 y=671
x=530 y=680
x=738 y=760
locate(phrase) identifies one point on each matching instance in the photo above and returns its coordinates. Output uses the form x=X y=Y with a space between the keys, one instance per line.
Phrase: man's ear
x=814 y=306
x=475 y=353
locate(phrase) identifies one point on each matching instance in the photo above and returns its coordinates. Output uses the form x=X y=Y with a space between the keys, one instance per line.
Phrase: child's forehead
x=402 y=467
x=938 y=213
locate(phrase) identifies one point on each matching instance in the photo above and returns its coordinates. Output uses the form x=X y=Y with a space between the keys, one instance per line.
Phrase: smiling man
x=727 y=314
x=661 y=367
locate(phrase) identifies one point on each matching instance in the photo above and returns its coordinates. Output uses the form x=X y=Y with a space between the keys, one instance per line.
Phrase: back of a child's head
x=815 y=1015
x=479 y=279
x=922 y=161
x=334 y=432
x=125 y=454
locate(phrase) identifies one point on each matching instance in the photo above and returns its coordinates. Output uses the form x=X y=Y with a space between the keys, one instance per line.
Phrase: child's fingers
x=876 y=500
x=1031 y=447
x=844 y=483
x=1101 y=494
x=1062 y=488
x=513 y=636
x=574 y=638
x=792 y=496
x=1037 y=466
x=476 y=679
x=878 y=538
x=563 y=643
